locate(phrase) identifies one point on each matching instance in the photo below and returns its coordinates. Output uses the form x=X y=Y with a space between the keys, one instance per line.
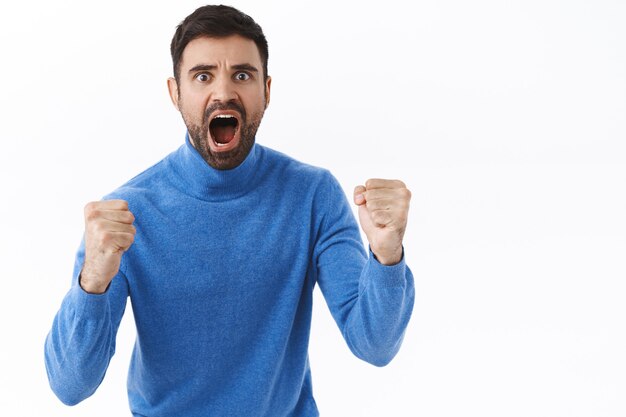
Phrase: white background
x=506 y=119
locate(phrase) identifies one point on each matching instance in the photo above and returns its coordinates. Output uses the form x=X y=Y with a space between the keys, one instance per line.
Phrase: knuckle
x=126 y=217
x=89 y=209
x=94 y=214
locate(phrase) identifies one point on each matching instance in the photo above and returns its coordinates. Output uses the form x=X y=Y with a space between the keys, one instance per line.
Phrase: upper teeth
x=223 y=116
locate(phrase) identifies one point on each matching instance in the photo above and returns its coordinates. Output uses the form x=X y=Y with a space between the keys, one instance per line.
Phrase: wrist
x=91 y=286
x=388 y=258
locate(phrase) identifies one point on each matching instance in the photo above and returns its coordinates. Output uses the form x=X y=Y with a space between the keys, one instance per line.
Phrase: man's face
x=222 y=96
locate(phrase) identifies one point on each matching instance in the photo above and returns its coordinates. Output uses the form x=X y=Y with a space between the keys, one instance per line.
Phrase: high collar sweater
x=220 y=278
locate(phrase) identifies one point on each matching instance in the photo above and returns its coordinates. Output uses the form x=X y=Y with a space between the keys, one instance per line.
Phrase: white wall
x=507 y=119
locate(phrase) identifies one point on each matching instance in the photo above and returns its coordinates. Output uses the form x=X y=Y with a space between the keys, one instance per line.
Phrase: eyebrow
x=238 y=67
x=246 y=67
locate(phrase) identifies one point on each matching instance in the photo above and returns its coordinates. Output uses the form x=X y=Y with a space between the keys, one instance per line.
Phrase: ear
x=172 y=86
x=268 y=84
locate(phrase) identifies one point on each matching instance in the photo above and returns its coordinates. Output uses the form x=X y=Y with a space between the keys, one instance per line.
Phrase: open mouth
x=223 y=128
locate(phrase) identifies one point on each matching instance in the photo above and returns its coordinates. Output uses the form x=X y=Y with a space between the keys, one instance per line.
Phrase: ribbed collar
x=203 y=181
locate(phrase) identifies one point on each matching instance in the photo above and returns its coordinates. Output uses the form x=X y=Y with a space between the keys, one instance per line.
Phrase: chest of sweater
x=198 y=267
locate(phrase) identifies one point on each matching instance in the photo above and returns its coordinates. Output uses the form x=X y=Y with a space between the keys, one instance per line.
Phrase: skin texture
x=231 y=81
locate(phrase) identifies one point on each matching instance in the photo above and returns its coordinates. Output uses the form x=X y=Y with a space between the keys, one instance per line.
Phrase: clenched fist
x=383 y=212
x=109 y=232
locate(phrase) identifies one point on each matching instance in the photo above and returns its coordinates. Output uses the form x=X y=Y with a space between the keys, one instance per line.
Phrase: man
x=219 y=246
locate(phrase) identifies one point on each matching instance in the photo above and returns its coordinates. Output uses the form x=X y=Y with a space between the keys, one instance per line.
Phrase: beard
x=226 y=159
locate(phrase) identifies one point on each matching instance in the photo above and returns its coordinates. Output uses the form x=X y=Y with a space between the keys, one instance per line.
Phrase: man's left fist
x=383 y=212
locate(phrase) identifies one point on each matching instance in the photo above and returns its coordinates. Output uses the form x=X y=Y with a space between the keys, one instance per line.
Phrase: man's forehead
x=233 y=50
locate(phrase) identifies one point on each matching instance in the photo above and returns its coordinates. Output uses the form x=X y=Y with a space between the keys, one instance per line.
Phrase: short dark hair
x=216 y=22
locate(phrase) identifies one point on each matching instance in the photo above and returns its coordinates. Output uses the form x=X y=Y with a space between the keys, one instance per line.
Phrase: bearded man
x=219 y=246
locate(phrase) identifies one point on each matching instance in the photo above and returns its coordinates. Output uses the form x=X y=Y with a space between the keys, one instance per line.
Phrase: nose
x=223 y=90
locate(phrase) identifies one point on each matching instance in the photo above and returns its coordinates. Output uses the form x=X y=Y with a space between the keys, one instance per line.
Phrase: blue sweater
x=220 y=279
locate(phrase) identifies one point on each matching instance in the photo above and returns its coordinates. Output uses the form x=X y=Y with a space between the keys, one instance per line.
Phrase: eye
x=242 y=76
x=203 y=77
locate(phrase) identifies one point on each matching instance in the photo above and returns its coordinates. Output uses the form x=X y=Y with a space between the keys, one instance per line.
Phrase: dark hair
x=216 y=22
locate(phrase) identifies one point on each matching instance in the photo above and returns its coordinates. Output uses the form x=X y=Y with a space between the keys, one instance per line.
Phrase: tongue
x=223 y=134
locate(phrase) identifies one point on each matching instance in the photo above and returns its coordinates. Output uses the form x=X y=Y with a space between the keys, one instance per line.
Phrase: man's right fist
x=109 y=232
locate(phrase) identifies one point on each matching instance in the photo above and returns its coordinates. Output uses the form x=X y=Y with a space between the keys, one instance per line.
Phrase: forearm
x=375 y=325
x=370 y=302
x=79 y=346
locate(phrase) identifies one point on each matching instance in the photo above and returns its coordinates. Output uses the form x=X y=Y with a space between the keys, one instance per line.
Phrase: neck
x=208 y=183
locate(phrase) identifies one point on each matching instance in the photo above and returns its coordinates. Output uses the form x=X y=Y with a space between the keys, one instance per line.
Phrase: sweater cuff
x=388 y=275
x=88 y=305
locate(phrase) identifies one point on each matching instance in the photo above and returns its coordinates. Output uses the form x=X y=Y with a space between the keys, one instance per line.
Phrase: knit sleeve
x=370 y=302
x=81 y=342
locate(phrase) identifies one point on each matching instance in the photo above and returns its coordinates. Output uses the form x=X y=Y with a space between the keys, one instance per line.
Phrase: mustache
x=230 y=105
